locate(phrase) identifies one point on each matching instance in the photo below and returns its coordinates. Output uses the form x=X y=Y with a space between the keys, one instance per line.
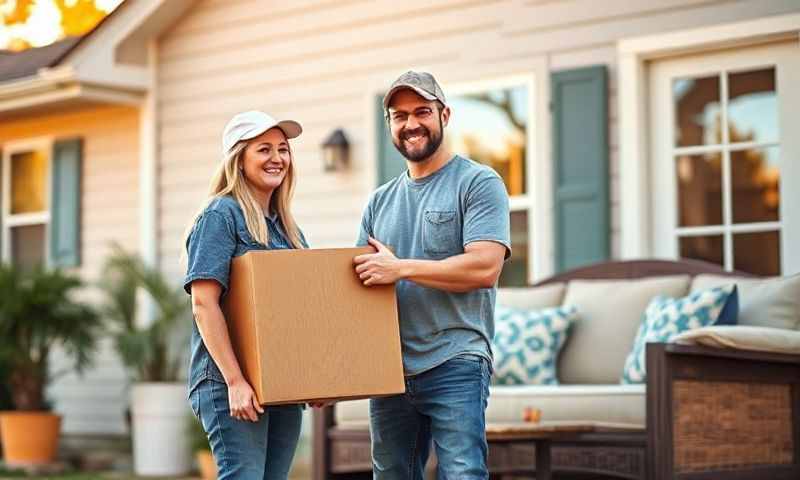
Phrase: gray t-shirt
x=433 y=218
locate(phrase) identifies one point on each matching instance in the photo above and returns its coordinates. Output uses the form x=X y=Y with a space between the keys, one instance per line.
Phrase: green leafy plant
x=39 y=312
x=198 y=440
x=153 y=352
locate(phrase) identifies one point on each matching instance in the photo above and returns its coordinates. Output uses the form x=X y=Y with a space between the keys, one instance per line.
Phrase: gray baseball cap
x=421 y=82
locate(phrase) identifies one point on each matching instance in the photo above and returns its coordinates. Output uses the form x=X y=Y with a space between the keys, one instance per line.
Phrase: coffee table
x=543 y=435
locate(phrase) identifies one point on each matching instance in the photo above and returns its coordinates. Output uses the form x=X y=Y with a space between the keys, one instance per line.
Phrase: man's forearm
x=461 y=273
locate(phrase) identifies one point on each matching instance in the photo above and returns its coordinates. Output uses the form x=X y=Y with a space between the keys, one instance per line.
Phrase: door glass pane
x=491 y=127
x=515 y=270
x=697 y=111
x=753 y=106
x=758 y=253
x=27 y=246
x=705 y=247
x=28 y=171
x=699 y=180
x=755 y=178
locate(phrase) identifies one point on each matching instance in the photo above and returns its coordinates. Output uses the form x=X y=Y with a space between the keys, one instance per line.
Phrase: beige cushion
x=532 y=298
x=761 y=339
x=593 y=403
x=610 y=312
x=772 y=302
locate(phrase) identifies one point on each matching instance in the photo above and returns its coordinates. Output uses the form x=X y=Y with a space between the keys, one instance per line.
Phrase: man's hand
x=381 y=268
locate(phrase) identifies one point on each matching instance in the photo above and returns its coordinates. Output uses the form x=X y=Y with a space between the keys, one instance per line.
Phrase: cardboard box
x=304 y=327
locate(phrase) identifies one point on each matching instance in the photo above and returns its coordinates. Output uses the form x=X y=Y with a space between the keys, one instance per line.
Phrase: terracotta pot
x=206 y=464
x=29 y=438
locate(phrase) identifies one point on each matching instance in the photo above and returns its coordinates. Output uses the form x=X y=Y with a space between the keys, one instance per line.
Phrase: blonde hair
x=228 y=179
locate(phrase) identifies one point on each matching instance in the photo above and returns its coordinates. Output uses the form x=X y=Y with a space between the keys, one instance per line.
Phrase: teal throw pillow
x=666 y=317
x=527 y=342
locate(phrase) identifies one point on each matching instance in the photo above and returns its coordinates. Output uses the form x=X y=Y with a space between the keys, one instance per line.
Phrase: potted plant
x=38 y=312
x=154 y=352
x=201 y=449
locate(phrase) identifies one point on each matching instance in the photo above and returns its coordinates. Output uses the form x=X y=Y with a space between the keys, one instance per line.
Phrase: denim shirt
x=219 y=235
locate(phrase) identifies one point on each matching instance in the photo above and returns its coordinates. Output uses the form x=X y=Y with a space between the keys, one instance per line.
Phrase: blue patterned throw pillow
x=667 y=317
x=526 y=344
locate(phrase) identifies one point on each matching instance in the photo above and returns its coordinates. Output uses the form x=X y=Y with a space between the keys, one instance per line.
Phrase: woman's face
x=266 y=160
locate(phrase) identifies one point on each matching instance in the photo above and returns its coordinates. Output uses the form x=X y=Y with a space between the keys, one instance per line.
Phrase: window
x=25 y=209
x=491 y=124
x=726 y=160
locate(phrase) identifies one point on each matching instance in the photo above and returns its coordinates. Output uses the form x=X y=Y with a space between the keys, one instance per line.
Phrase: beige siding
x=322 y=62
x=96 y=402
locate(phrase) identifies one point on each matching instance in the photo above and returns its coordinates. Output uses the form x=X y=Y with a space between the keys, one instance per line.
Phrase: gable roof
x=26 y=63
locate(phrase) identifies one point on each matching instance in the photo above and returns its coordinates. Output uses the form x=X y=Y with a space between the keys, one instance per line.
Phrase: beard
x=432 y=143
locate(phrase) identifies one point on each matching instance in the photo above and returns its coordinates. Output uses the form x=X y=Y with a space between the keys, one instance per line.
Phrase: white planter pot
x=160 y=412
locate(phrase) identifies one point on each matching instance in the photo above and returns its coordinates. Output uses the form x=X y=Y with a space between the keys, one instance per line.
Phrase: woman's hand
x=242 y=401
x=321 y=404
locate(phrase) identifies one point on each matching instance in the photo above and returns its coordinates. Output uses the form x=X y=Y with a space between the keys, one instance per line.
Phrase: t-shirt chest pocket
x=441 y=232
x=245 y=242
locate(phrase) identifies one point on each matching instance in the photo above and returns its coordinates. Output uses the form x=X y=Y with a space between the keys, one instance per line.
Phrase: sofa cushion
x=591 y=403
x=760 y=339
x=771 y=302
x=532 y=298
x=666 y=318
x=526 y=344
x=610 y=313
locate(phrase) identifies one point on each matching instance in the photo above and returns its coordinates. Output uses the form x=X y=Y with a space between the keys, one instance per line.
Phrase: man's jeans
x=447 y=405
x=261 y=450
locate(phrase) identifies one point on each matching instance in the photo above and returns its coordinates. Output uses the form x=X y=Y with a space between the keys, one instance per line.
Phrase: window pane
x=757 y=253
x=697 y=111
x=753 y=106
x=699 y=189
x=707 y=247
x=755 y=177
x=515 y=270
x=491 y=127
x=27 y=246
x=28 y=172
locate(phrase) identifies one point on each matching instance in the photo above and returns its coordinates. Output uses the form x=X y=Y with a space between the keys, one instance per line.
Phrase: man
x=446 y=220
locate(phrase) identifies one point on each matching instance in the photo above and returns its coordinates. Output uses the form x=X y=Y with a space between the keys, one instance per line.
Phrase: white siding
x=95 y=403
x=322 y=61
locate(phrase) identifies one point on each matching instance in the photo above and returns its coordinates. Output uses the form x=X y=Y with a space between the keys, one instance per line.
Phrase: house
x=658 y=128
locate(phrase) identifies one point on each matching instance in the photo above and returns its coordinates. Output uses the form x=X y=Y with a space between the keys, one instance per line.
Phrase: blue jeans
x=246 y=450
x=447 y=405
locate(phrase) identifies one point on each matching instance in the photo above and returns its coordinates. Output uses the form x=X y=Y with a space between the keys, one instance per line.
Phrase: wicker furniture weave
x=711 y=414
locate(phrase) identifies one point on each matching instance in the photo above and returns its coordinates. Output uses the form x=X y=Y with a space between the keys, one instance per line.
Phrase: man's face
x=417 y=125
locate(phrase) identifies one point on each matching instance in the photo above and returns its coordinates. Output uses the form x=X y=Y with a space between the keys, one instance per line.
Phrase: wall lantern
x=336 y=151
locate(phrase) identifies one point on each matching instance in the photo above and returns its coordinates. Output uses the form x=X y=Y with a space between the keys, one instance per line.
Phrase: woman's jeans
x=246 y=450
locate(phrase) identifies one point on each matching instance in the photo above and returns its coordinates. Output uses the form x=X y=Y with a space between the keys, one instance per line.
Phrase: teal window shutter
x=580 y=166
x=390 y=162
x=65 y=203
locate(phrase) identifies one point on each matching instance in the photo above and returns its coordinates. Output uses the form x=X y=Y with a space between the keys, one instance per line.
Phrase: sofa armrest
x=713 y=410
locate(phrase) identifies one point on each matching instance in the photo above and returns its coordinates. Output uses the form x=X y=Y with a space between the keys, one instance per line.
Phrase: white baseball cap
x=250 y=124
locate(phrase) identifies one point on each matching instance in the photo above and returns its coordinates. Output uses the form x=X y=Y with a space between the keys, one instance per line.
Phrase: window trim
x=538 y=199
x=10 y=220
x=633 y=58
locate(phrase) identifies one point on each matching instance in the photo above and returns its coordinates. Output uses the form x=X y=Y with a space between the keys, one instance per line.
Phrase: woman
x=248 y=209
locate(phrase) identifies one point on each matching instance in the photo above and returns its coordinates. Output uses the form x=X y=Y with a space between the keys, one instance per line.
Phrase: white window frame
x=667 y=228
x=9 y=220
x=528 y=201
x=633 y=57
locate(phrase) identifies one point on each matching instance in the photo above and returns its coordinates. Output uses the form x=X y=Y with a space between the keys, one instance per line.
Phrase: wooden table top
x=554 y=429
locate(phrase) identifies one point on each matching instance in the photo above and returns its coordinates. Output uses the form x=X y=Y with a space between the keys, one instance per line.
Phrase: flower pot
x=29 y=438
x=206 y=465
x=160 y=445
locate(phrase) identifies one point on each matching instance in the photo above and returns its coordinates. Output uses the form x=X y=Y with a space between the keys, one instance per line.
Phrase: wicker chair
x=711 y=414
